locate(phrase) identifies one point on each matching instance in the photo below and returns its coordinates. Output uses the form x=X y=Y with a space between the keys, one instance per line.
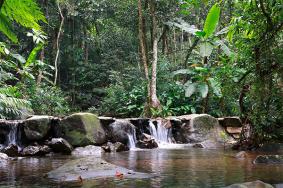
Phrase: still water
x=189 y=167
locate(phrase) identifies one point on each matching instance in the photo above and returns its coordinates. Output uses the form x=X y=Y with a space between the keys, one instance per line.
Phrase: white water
x=12 y=136
x=161 y=134
x=132 y=140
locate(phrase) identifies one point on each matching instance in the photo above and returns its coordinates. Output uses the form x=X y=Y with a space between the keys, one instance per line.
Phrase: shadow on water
x=173 y=168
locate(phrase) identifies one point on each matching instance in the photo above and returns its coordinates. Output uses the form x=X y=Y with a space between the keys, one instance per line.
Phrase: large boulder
x=60 y=145
x=90 y=150
x=37 y=127
x=36 y=150
x=91 y=168
x=253 y=184
x=120 y=129
x=269 y=159
x=200 y=128
x=83 y=129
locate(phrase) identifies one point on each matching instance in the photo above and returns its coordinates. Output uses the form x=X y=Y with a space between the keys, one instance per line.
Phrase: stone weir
x=40 y=135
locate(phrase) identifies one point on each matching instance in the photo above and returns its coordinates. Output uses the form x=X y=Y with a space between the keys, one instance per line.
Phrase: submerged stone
x=90 y=150
x=254 y=184
x=91 y=168
x=269 y=159
x=83 y=129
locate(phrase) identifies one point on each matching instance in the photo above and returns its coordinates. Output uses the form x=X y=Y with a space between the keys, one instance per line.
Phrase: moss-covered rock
x=37 y=127
x=201 y=128
x=82 y=129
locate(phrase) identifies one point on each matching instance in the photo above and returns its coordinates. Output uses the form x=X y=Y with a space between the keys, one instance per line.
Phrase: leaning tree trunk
x=58 y=43
x=153 y=100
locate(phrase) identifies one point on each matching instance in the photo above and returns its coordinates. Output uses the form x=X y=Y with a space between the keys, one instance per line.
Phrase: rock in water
x=90 y=168
x=60 y=145
x=116 y=147
x=147 y=142
x=90 y=150
x=11 y=150
x=36 y=150
x=241 y=155
x=203 y=129
x=254 y=184
x=37 y=127
x=3 y=157
x=269 y=159
x=120 y=129
x=83 y=129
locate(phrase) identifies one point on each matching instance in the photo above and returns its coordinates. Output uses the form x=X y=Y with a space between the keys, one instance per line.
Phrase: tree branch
x=268 y=18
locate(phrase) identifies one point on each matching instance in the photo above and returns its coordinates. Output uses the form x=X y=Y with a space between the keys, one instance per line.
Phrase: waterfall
x=132 y=140
x=161 y=134
x=12 y=136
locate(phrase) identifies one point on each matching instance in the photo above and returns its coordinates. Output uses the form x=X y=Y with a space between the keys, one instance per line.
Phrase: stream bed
x=188 y=167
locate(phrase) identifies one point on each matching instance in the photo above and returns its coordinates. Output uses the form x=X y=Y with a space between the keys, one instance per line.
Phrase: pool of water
x=188 y=167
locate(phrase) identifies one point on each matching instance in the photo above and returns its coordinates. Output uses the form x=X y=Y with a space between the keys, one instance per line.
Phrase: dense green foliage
x=218 y=57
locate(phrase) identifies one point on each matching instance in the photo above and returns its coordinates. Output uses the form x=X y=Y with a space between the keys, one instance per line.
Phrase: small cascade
x=13 y=136
x=132 y=140
x=161 y=133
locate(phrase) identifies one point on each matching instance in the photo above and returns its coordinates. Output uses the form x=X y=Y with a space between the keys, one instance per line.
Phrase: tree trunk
x=154 y=102
x=142 y=41
x=39 y=76
x=58 y=43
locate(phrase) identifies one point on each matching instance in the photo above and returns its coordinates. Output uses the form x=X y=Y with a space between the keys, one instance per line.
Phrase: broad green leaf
x=33 y=54
x=211 y=21
x=5 y=27
x=215 y=87
x=18 y=57
x=184 y=26
x=206 y=49
x=183 y=71
x=190 y=89
x=203 y=89
x=223 y=47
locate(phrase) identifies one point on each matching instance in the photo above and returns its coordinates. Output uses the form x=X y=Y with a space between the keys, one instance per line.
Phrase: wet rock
x=271 y=147
x=269 y=159
x=3 y=157
x=11 y=150
x=87 y=151
x=253 y=184
x=241 y=155
x=91 y=168
x=83 y=129
x=37 y=127
x=36 y=150
x=147 y=142
x=60 y=145
x=232 y=122
x=116 y=147
x=234 y=130
x=120 y=129
x=208 y=144
x=201 y=128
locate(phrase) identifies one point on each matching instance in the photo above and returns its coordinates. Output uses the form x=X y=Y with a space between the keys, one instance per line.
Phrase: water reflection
x=173 y=168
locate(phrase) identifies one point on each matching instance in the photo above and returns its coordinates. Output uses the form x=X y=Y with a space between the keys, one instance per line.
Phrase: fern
x=24 y=12
x=10 y=105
